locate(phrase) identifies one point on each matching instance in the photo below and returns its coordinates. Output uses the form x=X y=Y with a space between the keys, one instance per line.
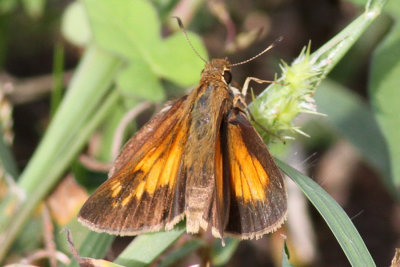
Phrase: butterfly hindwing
x=258 y=197
x=144 y=191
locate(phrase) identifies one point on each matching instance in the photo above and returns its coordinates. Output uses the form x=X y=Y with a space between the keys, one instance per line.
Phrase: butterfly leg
x=248 y=80
x=239 y=103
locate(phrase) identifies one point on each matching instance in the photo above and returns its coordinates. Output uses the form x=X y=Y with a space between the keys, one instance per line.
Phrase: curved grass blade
x=87 y=102
x=95 y=245
x=285 y=256
x=384 y=94
x=337 y=220
x=173 y=257
x=355 y=121
x=7 y=159
x=220 y=255
x=147 y=247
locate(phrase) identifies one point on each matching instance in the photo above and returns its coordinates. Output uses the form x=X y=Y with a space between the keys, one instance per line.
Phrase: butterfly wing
x=258 y=201
x=144 y=191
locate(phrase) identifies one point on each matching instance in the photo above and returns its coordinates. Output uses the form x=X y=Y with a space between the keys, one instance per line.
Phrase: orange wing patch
x=248 y=177
x=219 y=169
x=258 y=196
x=116 y=188
x=158 y=168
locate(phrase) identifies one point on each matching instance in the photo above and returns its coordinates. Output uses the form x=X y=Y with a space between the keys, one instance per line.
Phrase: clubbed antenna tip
x=187 y=38
x=274 y=43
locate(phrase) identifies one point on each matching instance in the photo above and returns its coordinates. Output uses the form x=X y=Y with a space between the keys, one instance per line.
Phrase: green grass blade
x=277 y=106
x=285 y=256
x=147 y=247
x=6 y=157
x=221 y=255
x=95 y=245
x=70 y=150
x=353 y=119
x=385 y=94
x=81 y=111
x=58 y=71
x=173 y=257
x=337 y=220
x=332 y=52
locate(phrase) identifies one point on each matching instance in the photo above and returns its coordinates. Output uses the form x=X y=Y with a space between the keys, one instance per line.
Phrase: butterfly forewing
x=145 y=191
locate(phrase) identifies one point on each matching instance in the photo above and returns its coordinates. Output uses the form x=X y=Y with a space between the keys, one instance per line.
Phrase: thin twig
x=48 y=236
x=20 y=91
x=93 y=164
x=124 y=123
x=41 y=254
x=81 y=261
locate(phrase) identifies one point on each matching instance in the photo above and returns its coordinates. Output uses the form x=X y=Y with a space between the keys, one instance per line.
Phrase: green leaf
x=131 y=29
x=145 y=248
x=34 y=8
x=128 y=28
x=7 y=6
x=337 y=220
x=174 y=60
x=164 y=7
x=354 y=120
x=144 y=85
x=75 y=24
x=385 y=95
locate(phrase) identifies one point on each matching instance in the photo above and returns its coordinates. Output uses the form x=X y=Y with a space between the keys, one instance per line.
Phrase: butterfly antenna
x=187 y=38
x=259 y=54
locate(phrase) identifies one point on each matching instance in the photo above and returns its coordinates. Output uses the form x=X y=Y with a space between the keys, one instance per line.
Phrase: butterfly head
x=217 y=69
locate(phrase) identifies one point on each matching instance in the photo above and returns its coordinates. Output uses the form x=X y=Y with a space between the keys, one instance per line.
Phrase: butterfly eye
x=227 y=76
